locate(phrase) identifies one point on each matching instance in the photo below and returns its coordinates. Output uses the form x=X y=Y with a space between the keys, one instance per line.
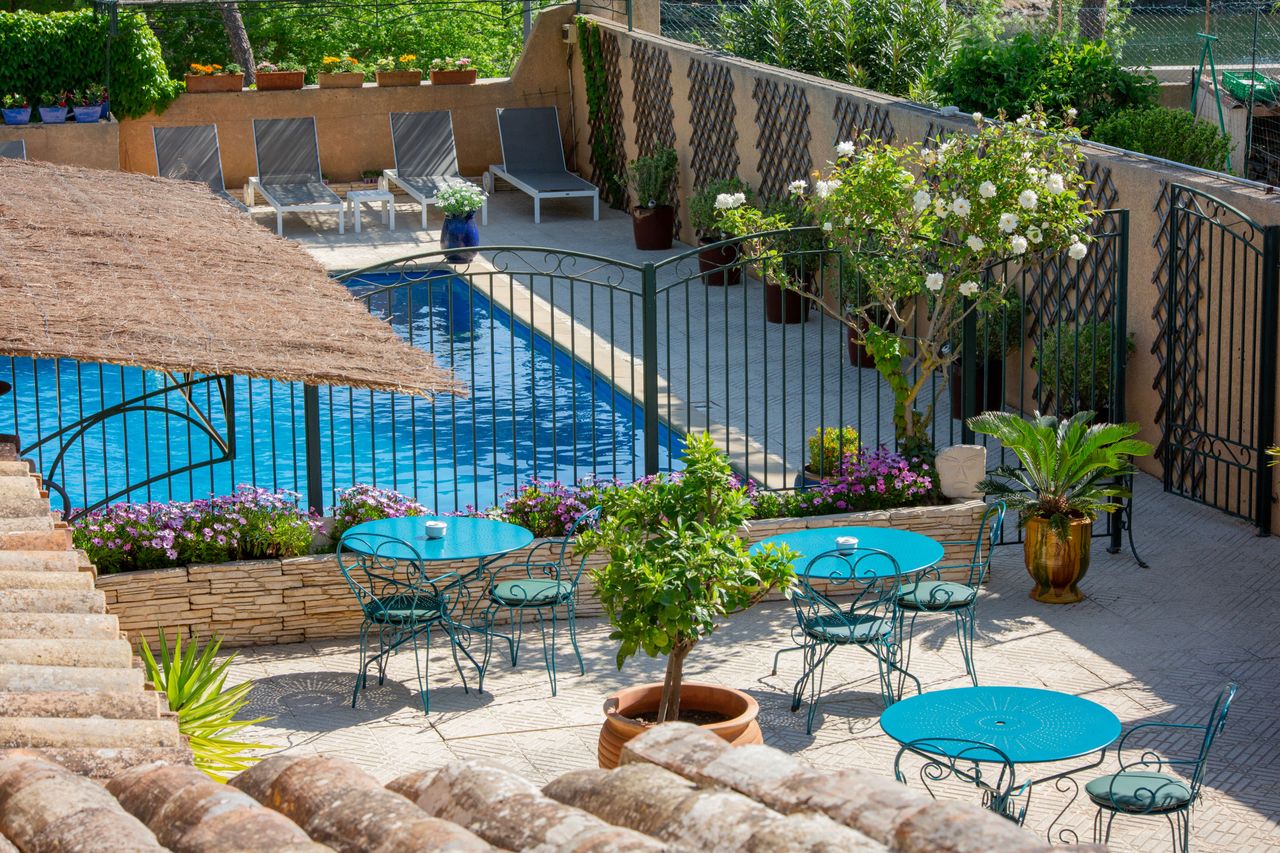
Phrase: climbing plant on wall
x=603 y=119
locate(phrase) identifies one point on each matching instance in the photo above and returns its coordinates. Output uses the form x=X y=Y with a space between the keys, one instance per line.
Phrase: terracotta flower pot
x=341 y=80
x=399 y=78
x=739 y=727
x=280 y=81
x=205 y=83
x=784 y=304
x=719 y=265
x=453 y=78
x=1056 y=565
x=653 y=227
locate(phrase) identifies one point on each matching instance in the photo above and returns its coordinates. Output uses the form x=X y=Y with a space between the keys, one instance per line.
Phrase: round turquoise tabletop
x=1028 y=724
x=914 y=552
x=466 y=538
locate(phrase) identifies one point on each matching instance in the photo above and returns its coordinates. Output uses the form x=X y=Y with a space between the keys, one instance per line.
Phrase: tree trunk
x=669 y=706
x=238 y=39
x=1093 y=19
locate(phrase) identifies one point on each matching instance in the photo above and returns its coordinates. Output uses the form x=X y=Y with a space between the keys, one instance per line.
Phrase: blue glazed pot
x=460 y=232
x=89 y=114
x=53 y=115
x=106 y=110
x=17 y=115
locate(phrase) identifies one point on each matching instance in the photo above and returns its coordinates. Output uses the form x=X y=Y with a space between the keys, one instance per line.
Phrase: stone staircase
x=69 y=682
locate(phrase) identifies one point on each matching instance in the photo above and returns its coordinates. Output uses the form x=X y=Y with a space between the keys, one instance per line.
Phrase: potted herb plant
x=53 y=107
x=653 y=178
x=718 y=261
x=340 y=72
x=452 y=71
x=204 y=79
x=999 y=333
x=370 y=176
x=459 y=203
x=17 y=109
x=402 y=70
x=676 y=567
x=1073 y=364
x=830 y=451
x=279 y=76
x=86 y=105
x=1070 y=471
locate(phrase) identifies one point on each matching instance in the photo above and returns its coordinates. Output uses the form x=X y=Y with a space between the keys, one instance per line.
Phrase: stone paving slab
x=1151 y=645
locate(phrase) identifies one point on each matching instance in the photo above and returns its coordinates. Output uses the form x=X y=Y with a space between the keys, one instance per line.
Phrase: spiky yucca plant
x=192 y=682
x=1070 y=468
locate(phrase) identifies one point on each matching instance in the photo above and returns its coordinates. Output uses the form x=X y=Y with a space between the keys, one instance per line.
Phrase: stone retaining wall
x=264 y=602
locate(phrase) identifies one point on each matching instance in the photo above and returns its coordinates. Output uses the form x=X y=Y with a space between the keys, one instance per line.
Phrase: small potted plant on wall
x=53 y=107
x=452 y=71
x=676 y=567
x=1070 y=471
x=279 y=76
x=402 y=70
x=17 y=109
x=459 y=203
x=204 y=79
x=86 y=104
x=1073 y=364
x=340 y=72
x=999 y=334
x=652 y=180
x=718 y=262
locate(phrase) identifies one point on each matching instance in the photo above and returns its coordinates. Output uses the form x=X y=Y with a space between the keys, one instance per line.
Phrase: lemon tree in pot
x=653 y=179
x=1071 y=469
x=675 y=568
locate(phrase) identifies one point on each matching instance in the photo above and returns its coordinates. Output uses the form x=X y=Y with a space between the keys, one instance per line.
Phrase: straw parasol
x=129 y=269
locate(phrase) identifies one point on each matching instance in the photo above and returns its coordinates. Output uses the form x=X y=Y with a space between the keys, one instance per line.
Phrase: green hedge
x=1163 y=132
x=68 y=50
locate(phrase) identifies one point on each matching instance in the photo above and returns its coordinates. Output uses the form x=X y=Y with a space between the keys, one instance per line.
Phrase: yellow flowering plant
x=341 y=65
x=403 y=62
x=197 y=69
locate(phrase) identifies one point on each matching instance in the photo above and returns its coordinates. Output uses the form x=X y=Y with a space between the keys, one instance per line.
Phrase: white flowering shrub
x=922 y=232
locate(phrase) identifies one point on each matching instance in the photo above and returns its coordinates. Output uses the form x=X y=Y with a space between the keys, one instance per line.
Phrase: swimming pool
x=533 y=410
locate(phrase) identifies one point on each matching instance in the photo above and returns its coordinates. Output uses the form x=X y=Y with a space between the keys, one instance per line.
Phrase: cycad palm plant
x=192 y=682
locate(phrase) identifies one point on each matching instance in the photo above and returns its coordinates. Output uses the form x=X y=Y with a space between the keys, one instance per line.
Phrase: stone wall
x=266 y=602
x=96 y=145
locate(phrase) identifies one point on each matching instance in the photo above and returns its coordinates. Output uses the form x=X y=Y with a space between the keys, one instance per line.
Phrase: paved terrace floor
x=1151 y=645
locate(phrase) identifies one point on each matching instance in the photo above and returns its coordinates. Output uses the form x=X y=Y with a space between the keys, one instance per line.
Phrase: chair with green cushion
x=400 y=606
x=864 y=620
x=545 y=584
x=1143 y=787
x=928 y=593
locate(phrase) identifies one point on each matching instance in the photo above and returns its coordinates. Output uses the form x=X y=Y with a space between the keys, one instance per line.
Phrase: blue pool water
x=533 y=410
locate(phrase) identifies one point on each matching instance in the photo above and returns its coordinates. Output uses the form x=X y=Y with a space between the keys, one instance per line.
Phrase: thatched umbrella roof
x=129 y=269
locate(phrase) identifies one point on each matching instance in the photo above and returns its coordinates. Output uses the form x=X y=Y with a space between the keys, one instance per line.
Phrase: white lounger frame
x=500 y=171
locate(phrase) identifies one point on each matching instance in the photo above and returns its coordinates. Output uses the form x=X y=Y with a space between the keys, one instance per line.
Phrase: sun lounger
x=426 y=158
x=192 y=154
x=533 y=159
x=289 y=175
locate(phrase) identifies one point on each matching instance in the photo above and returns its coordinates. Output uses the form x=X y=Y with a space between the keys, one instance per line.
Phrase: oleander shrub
x=67 y=51
x=1017 y=75
x=1163 y=132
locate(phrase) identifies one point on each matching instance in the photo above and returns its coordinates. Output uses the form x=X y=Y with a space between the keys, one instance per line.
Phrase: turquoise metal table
x=914 y=552
x=466 y=539
x=956 y=731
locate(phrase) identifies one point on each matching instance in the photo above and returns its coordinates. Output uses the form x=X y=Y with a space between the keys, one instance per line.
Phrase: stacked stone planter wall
x=265 y=602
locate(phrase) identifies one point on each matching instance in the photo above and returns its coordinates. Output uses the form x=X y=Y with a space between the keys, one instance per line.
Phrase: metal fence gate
x=1219 y=372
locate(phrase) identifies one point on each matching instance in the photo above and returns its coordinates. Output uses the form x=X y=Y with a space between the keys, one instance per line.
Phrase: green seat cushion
x=849 y=629
x=936 y=595
x=531 y=593
x=1139 y=791
x=403 y=609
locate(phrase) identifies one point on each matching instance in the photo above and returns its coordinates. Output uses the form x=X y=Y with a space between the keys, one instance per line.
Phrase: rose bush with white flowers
x=923 y=231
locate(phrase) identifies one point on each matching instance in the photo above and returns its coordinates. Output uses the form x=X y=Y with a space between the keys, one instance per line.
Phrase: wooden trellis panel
x=713 y=116
x=608 y=176
x=654 y=116
x=860 y=122
x=782 y=121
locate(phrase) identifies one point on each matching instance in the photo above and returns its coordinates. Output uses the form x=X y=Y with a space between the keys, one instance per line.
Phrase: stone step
x=26 y=523
x=47 y=539
x=60 y=652
x=107 y=763
x=76 y=679
x=147 y=705
x=18 y=732
x=39 y=561
x=20 y=496
x=15 y=469
x=45 y=580
x=68 y=626
x=52 y=601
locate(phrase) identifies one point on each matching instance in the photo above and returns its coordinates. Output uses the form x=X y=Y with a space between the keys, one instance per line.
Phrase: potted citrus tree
x=452 y=71
x=402 y=70
x=718 y=259
x=214 y=78
x=1071 y=469
x=279 y=76
x=340 y=72
x=677 y=567
x=652 y=179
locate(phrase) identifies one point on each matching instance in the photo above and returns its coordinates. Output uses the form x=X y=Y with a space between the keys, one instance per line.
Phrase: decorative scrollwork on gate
x=782 y=117
x=859 y=122
x=714 y=138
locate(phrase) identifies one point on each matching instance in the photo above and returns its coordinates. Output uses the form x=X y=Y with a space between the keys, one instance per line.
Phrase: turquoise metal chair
x=866 y=621
x=549 y=585
x=1143 y=788
x=928 y=593
x=400 y=606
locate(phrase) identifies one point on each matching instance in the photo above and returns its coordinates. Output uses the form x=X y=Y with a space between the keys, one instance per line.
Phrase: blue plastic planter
x=460 y=232
x=106 y=110
x=17 y=115
x=89 y=114
x=53 y=115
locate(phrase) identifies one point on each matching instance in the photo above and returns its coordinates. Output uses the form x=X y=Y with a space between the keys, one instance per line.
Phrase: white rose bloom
x=921 y=200
x=1008 y=222
x=939 y=208
x=1018 y=244
x=797 y=187
x=969 y=288
x=826 y=226
x=1024 y=120
x=987 y=190
x=739 y=199
x=1034 y=234
x=933 y=281
x=1028 y=199
x=846 y=149
x=929 y=156
x=960 y=206
x=1077 y=251
x=977 y=117
x=822 y=189
x=1071 y=112
x=1055 y=183
x=727 y=201
x=973 y=241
